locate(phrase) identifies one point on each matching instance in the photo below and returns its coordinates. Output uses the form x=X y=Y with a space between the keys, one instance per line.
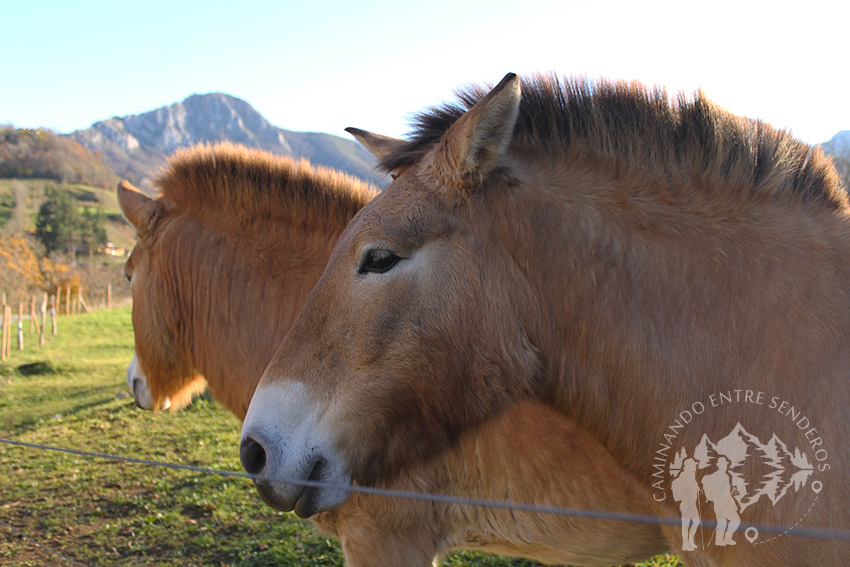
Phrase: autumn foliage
x=25 y=271
x=40 y=153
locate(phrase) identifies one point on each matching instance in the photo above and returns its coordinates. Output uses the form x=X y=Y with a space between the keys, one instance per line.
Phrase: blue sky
x=322 y=66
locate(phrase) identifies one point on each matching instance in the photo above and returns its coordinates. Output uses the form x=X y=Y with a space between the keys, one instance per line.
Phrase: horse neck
x=242 y=294
x=647 y=307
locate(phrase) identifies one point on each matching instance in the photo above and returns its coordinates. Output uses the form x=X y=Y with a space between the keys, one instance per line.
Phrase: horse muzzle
x=138 y=384
x=295 y=465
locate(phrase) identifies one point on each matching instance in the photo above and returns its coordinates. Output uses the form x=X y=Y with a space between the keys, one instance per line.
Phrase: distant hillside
x=42 y=154
x=26 y=195
x=136 y=146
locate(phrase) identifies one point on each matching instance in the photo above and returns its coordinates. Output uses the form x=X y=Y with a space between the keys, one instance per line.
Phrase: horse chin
x=144 y=399
x=327 y=488
x=138 y=384
x=142 y=395
x=308 y=501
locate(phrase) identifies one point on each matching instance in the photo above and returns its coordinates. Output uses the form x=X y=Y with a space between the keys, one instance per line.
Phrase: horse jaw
x=138 y=384
x=284 y=438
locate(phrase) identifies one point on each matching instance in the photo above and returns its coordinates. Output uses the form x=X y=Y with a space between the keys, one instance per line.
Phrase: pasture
x=104 y=513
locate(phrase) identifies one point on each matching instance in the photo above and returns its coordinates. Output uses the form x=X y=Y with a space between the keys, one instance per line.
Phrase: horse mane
x=245 y=184
x=642 y=127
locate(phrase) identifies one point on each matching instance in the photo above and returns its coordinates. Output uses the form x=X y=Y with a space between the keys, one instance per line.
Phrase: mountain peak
x=136 y=146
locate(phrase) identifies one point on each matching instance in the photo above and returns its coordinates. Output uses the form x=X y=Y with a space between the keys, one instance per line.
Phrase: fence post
x=7 y=321
x=53 y=313
x=43 y=320
x=20 y=325
x=33 y=322
x=84 y=306
x=68 y=300
x=5 y=332
x=109 y=296
x=5 y=335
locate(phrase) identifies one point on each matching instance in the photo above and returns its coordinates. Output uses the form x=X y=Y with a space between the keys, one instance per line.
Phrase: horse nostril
x=252 y=455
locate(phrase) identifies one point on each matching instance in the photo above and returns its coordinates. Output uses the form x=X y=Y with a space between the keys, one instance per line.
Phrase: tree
x=92 y=229
x=57 y=224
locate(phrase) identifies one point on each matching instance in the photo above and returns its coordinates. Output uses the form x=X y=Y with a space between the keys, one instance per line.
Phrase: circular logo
x=757 y=479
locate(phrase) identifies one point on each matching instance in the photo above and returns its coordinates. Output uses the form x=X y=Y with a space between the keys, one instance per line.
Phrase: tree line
x=38 y=153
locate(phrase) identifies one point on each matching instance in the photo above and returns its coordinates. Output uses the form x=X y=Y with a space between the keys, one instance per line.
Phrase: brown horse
x=226 y=257
x=672 y=277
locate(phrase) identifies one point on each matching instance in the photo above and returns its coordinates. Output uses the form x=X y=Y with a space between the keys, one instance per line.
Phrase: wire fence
x=790 y=530
x=39 y=545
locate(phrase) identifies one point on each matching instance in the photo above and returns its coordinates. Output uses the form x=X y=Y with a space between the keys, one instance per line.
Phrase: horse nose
x=252 y=455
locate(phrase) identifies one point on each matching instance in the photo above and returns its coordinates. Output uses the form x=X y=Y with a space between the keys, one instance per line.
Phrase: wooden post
x=7 y=320
x=68 y=300
x=32 y=314
x=43 y=320
x=78 y=305
x=109 y=296
x=21 y=325
x=34 y=319
x=53 y=313
x=5 y=335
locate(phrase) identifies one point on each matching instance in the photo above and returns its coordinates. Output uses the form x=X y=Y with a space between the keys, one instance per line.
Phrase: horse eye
x=378 y=262
x=128 y=277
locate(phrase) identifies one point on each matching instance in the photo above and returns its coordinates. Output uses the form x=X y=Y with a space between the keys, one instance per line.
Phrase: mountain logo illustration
x=779 y=468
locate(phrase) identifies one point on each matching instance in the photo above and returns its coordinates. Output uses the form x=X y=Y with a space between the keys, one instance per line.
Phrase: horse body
x=618 y=257
x=218 y=277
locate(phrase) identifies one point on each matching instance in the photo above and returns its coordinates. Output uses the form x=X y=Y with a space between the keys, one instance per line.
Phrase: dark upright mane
x=248 y=184
x=643 y=128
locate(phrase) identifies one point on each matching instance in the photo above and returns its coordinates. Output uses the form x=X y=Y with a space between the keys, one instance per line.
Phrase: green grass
x=99 y=512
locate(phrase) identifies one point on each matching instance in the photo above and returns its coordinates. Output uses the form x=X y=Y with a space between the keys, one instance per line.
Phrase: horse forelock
x=642 y=127
x=242 y=185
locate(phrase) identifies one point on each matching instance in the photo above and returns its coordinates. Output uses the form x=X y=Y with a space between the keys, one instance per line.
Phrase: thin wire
x=820 y=533
x=44 y=547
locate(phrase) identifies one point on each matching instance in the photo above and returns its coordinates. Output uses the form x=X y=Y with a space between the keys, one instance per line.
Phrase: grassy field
x=99 y=513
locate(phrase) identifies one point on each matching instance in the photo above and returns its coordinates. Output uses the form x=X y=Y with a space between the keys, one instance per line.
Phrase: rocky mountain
x=136 y=146
x=839 y=145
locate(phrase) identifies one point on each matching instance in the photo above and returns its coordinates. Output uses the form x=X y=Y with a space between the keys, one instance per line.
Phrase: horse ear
x=377 y=145
x=139 y=209
x=473 y=145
